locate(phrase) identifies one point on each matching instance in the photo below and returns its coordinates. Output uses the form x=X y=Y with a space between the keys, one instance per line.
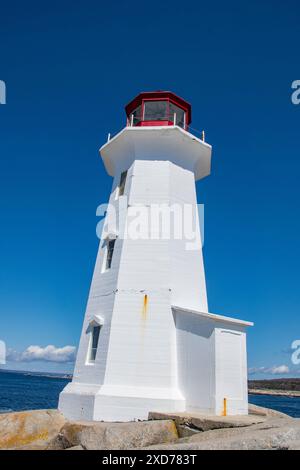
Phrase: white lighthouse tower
x=148 y=341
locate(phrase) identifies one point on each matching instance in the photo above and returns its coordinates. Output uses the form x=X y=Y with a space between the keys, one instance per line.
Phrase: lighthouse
x=149 y=342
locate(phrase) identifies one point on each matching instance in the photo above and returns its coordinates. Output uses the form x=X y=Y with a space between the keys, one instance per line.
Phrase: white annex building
x=148 y=341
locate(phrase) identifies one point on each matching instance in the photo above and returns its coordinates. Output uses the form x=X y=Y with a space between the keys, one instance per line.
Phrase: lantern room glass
x=136 y=115
x=177 y=115
x=158 y=111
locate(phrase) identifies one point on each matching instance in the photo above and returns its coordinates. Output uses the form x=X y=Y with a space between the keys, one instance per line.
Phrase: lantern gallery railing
x=199 y=134
x=171 y=119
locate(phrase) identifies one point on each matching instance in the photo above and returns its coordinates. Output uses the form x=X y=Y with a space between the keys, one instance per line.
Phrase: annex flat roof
x=213 y=316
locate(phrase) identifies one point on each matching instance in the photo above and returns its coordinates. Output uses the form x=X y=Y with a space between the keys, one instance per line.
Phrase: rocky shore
x=278 y=393
x=49 y=430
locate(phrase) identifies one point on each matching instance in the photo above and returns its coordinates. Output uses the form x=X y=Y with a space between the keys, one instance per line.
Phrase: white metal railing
x=133 y=121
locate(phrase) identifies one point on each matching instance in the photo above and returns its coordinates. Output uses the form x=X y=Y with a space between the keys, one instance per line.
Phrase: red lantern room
x=158 y=108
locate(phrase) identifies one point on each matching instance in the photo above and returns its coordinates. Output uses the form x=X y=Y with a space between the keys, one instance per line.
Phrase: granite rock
x=112 y=436
x=29 y=429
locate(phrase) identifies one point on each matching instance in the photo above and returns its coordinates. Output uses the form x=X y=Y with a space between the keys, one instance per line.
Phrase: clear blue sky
x=70 y=67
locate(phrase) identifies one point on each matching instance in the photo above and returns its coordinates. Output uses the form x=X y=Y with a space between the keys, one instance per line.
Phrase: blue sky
x=69 y=68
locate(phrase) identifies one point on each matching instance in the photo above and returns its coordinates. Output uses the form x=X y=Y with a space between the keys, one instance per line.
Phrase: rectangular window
x=122 y=183
x=155 y=111
x=179 y=115
x=94 y=342
x=110 y=251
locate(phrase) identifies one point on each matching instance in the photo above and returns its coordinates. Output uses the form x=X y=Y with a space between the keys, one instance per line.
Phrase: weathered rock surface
x=294 y=445
x=185 y=430
x=275 y=433
x=29 y=429
x=112 y=436
x=207 y=423
x=48 y=429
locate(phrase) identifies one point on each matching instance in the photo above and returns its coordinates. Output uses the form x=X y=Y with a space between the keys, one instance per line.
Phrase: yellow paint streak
x=145 y=307
x=224 y=407
x=16 y=441
x=26 y=429
x=21 y=437
x=173 y=429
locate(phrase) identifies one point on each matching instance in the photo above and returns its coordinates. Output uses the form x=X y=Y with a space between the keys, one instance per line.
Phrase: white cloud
x=2 y=352
x=256 y=370
x=47 y=354
x=275 y=370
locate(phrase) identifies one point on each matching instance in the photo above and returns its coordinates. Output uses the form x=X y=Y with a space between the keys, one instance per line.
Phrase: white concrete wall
x=212 y=364
x=100 y=302
x=144 y=361
x=196 y=365
x=187 y=269
x=151 y=267
x=231 y=370
x=137 y=345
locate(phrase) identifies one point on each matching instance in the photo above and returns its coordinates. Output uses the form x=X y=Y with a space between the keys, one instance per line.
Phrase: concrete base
x=113 y=403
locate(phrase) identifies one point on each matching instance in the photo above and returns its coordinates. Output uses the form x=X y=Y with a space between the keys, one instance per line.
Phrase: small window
x=94 y=342
x=110 y=251
x=122 y=183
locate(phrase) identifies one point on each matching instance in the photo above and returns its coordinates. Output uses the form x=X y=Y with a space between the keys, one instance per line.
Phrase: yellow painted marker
x=225 y=407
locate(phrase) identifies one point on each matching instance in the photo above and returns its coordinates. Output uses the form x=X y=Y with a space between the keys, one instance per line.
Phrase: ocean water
x=287 y=405
x=19 y=392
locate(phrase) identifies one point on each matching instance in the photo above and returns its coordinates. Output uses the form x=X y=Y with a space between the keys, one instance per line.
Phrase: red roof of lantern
x=160 y=95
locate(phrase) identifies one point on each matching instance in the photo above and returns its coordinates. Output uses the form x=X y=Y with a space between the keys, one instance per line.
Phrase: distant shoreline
x=278 y=393
x=49 y=375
